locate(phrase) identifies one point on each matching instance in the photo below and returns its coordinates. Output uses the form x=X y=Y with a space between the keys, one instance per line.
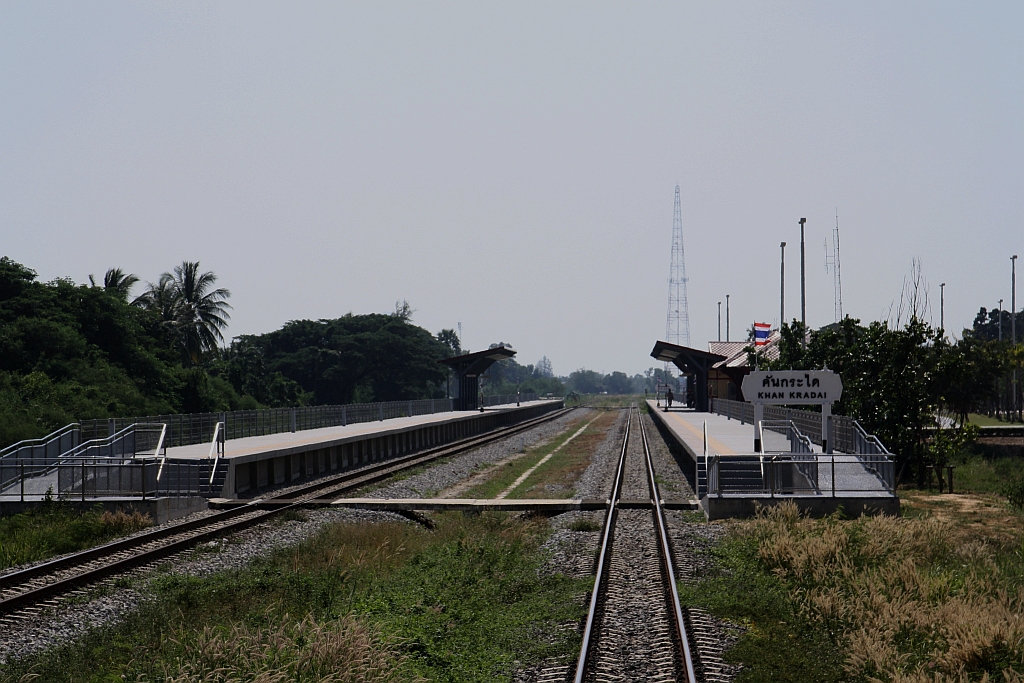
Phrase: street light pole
x=726 y=317
x=719 y=321
x=1013 y=323
x=782 y=288
x=942 y=308
x=803 y=278
x=1000 y=320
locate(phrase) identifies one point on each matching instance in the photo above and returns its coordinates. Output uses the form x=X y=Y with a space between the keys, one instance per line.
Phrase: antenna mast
x=833 y=261
x=677 y=328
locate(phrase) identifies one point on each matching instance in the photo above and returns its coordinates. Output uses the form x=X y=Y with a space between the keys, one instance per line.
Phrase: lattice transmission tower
x=677 y=328
x=832 y=261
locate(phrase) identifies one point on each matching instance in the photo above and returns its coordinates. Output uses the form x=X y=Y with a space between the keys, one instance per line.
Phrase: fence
x=863 y=465
x=795 y=474
x=848 y=435
x=194 y=428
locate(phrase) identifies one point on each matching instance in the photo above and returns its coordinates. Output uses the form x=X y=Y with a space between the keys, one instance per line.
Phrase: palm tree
x=194 y=312
x=119 y=283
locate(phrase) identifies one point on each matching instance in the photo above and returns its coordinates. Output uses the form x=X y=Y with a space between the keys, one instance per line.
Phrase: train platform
x=257 y=462
x=837 y=481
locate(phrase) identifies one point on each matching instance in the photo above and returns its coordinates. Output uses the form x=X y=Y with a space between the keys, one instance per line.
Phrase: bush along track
x=872 y=599
x=381 y=602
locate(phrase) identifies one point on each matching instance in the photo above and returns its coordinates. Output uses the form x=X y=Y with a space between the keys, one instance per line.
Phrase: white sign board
x=792 y=387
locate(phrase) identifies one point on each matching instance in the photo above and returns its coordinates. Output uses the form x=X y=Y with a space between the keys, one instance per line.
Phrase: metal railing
x=848 y=435
x=796 y=474
x=507 y=399
x=29 y=475
x=196 y=428
x=49 y=446
x=862 y=464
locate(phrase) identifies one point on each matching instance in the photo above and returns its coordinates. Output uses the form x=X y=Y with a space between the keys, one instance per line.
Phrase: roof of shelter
x=737 y=351
x=478 y=361
x=674 y=353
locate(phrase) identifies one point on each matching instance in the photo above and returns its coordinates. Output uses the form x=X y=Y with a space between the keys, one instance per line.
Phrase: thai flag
x=761 y=332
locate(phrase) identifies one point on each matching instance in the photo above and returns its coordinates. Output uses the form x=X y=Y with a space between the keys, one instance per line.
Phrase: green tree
x=192 y=310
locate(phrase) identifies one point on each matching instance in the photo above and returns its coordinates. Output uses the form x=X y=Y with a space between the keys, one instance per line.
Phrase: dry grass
x=121 y=523
x=916 y=599
x=345 y=650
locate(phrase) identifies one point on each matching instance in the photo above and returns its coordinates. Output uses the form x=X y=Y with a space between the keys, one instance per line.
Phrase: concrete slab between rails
x=464 y=504
x=160 y=510
x=725 y=507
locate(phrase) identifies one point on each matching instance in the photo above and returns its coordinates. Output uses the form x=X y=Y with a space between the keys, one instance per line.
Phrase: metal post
x=23 y=482
x=758 y=417
x=942 y=307
x=726 y=317
x=803 y=278
x=83 y=481
x=1013 y=321
x=1000 y=320
x=833 y=476
x=782 y=288
x=719 y=321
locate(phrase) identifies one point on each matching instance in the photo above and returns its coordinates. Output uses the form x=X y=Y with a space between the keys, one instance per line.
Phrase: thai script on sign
x=792 y=387
x=805 y=381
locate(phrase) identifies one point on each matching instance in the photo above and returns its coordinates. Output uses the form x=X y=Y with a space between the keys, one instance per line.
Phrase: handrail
x=41 y=441
x=214 y=447
x=108 y=440
x=159 y=445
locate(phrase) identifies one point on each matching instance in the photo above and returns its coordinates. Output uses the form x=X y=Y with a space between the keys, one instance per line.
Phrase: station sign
x=792 y=387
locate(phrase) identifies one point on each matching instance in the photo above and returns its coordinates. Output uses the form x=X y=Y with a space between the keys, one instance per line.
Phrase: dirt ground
x=987 y=513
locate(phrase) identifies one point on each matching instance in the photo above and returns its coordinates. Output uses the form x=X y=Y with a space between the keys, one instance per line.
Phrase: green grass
x=55 y=528
x=779 y=645
x=986 y=421
x=461 y=603
x=982 y=468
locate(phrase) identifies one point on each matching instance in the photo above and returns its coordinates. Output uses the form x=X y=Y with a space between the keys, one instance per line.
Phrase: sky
x=511 y=166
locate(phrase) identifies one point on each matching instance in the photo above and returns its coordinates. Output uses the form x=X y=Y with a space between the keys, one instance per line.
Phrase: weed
x=464 y=602
x=583 y=524
x=901 y=599
x=1014 y=492
x=55 y=528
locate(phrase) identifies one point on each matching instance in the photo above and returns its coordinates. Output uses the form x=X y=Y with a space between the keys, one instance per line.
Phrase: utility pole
x=782 y=288
x=803 y=279
x=1013 y=321
x=719 y=321
x=726 y=317
x=1000 y=320
x=942 y=308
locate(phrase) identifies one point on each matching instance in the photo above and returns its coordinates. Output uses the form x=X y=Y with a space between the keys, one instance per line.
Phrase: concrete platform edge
x=161 y=510
x=731 y=507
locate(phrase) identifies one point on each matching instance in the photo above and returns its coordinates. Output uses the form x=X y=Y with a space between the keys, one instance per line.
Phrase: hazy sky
x=512 y=165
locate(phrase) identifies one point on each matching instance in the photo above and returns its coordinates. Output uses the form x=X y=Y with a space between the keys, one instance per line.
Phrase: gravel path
x=105 y=603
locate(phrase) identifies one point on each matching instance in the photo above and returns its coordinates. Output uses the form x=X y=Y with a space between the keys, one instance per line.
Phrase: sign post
x=793 y=387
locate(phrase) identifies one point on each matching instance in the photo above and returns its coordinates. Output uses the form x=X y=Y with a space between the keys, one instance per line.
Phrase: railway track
x=636 y=628
x=26 y=592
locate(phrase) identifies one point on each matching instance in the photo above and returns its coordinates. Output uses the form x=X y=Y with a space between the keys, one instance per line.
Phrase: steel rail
x=222 y=523
x=667 y=565
x=602 y=561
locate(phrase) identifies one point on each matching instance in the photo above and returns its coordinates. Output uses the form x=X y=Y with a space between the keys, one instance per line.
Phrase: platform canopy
x=468 y=368
x=691 y=362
